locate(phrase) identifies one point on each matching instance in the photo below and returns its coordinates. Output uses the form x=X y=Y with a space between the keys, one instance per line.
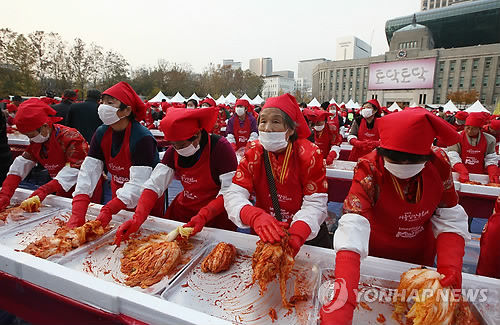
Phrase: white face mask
x=107 y=114
x=273 y=141
x=334 y=112
x=188 y=151
x=39 y=138
x=403 y=171
x=319 y=127
x=240 y=110
x=366 y=112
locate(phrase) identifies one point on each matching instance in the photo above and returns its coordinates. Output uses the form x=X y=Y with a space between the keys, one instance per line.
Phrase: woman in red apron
x=489 y=258
x=203 y=162
x=58 y=148
x=402 y=205
x=125 y=148
x=364 y=135
x=299 y=174
x=475 y=152
x=242 y=126
x=326 y=137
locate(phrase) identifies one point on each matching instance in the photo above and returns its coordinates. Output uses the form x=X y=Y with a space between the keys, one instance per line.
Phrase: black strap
x=272 y=187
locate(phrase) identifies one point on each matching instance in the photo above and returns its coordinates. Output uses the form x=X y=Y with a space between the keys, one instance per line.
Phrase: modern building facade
x=434 y=4
x=414 y=70
x=285 y=73
x=351 y=47
x=304 y=74
x=231 y=63
x=261 y=66
x=276 y=85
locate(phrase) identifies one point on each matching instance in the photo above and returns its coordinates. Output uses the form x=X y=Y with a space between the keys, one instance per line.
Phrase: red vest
x=333 y=122
x=401 y=230
x=289 y=193
x=473 y=156
x=119 y=165
x=241 y=134
x=323 y=140
x=364 y=134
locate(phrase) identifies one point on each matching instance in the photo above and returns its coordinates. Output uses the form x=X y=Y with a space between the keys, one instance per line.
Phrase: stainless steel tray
x=102 y=261
x=20 y=217
x=229 y=295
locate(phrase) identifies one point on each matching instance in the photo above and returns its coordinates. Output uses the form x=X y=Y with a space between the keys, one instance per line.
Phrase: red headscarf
x=288 y=104
x=495 y=125
x=413 y=130
x=476 y=119
x=375 y=104
x=32 y=114
x=208 y=101
x=242 y=102
x=461 y=115
x=319 y=115
x=127 y=95
x=180 y=124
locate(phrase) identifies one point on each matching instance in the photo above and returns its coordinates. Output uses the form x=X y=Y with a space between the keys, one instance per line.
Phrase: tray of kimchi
x=15 y=216
x=231 y=294
x=145 y=262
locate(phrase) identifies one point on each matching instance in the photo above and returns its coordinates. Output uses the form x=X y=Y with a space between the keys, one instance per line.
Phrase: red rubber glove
x=144 y=206
x=234 y=146
x=493 y=173
x=357 y=143
x=299 y=231
x=266 y=226
x=46 y=189
x=112 y=207
x=206 y=214
x=374 y=144
x=78 y=211
x=9 y=186
x=462 y=171
x=450 y=249
x=340 y=310
x=331 y=157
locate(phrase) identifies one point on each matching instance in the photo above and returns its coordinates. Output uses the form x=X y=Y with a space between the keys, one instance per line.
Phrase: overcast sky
x=204 y=31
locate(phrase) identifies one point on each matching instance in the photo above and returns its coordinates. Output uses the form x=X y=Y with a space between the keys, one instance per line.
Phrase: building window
x=483 y=98
x=358 y=71
x=475 y=64
x=452 y=65
x=450 y=82
x=337 y=85
x=441 y=66
x=331 y=74
x=440 y=82
x=473 y=81
x=350 y=72
x=438 y=99
x=344 y=72
x=485 y=81
x=461 y=85
x=462 y=66
x=497 y=82
x=338 y=74
x=487 y=63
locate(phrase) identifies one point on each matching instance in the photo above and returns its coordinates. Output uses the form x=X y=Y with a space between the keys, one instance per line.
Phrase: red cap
x=208 y=101
x=476 y=119
x=32 y=114
x=320 y=115
x=127 y=95
x=242 y=102
x=180 y=124
x=495 y=125
x=288 y=104
x=461 y=115
x=11 y=108
x=375 y=103
x=413 y=130
x=309 y=113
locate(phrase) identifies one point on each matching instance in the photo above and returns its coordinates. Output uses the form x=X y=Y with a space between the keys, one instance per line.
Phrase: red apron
x=364 y=134
x=199 y=190
x=289 y=192
x=333 y=123
x=241 y=134
x=323 y=139
x=51 y=156
x=489 y=258
x=473 y=156
x=401 y=230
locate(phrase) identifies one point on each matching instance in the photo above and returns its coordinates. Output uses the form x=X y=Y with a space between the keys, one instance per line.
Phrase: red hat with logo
x=288 y=104
x=320 y=115
x=461 y=115
x=413 y=131
x=375 y=104
x=180 y=124
x=127 y=95
x=476 y=119
x=242 y=102
x=208 y=101
x=32 y=114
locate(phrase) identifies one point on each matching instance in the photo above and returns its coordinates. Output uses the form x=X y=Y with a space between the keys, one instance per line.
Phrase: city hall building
x=431 y=54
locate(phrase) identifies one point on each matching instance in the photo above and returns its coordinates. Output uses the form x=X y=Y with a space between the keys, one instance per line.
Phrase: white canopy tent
x=413 y=104
x=357 y=105
x=195 y=97
x=314 y=103
x=257 y=100
x=178 y=98
x=221 y=100
x=230 y=99
x=332 y=101
x=477 y=107
x=245 y=96
x=350 y=104
x=209 y=96
x=394 y=107
x=341 y=104
x=158 y=98
x=449 y=106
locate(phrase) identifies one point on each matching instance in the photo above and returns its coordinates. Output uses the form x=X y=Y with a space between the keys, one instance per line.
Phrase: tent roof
x=195 y=97
x=257 y=100
x=245 y=96
x=230 y=98
x=314 y=103
x=350 y=104
x=476 y=107
x=332 y=101
x=356 y=105
x=158 y=98
x=394 y=107
x=449 y=106
x=209 y=96
x=178 y=98
x=221 y=100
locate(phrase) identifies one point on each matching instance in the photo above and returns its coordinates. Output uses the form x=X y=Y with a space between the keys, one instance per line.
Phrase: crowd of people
x=263 y=170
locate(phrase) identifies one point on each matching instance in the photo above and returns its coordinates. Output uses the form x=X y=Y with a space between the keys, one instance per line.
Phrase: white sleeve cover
x=350 y=137
x=225 y=181
x=352 y=234
x=253 y=136
x=313 y=212
x=235 y=198
x=21 y=167
x=160 y=179
x=490 y=159
x=453 y=219
x=131 y=191
x=230 y=138
x=88 y=176
x=67 y=177
x=337 y=150
x=454 y=157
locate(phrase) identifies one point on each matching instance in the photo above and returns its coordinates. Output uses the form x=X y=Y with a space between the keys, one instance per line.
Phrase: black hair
x=163 y=100
x=194 y=101
x=325 y=105
x=399 y=156
x=131 y=117
x=94 y=94
x=16 y=98
x=303 y=105
x=68 y=93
